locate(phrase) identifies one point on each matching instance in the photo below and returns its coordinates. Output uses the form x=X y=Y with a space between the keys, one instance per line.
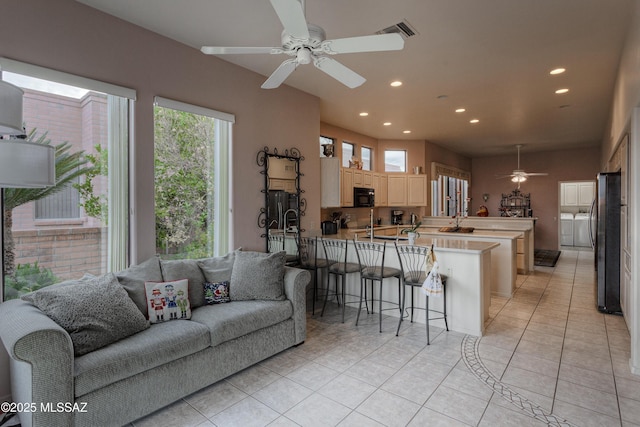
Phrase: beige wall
x=561 y=165
x=70 y=37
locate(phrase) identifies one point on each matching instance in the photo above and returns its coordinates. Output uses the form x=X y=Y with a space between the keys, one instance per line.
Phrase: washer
x=581 y=230
x=566 y=229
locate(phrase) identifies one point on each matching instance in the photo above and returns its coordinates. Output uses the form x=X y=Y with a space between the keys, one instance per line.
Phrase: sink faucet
x=286 y=218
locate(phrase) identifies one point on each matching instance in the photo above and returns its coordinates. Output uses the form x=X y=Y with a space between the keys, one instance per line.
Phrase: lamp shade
x=26 y=164
x=10 y=109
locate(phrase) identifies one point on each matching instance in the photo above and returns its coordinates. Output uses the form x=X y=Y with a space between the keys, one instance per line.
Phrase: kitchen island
x=467 y=263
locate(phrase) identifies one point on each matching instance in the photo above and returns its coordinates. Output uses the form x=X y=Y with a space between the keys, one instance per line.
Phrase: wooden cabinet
x=417 y=190
x=330 y=188
x=379 y=181
x=347 y=187
x=520 y=254
x=367 y=179
x=358 y=177
x=586 y=193
x=397 y=190
x=288 y=185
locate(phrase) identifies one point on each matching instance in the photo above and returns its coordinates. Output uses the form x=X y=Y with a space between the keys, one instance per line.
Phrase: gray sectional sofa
x=127 y=379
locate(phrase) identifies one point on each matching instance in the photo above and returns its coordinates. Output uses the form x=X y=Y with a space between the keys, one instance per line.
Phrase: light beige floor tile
x=500 y=416
x=528 y=380
x=535 y=364
x=253 y=379
x=466 y=382
x=431 y=418
x=388 y=409
x=544 y=402
x=283 y=421
x=555 y=330
x=371 y=372
x=630 y=410
x=587 y=398
x=534 y=349
x=312 y=375
x=628 y=388
x=317 y=410
x=179 y=414
x=583 y=417
x=356 y=419
x=248 y=412
x=215 y=398
x=284 y=362
x=587 y=377
x=449 y=402
x=347 y=390
x=282 y=395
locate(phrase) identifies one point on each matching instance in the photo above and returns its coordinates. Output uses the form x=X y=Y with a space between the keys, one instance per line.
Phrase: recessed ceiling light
x=460 y=110
x=560 y=91
x=364 y=114
x=474 y=121
x=406 y=131
x=386 y=124
x=396 y=83
x=557 y=71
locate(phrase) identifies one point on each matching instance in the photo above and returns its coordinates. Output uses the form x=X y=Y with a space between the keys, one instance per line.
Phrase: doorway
x=574 y=213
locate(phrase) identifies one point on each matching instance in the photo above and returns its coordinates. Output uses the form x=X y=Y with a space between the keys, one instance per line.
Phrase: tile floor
x=546 y=351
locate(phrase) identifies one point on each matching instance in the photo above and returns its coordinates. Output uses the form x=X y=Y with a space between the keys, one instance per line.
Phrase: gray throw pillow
x=132 y=280
x=95 y=313
x=218 y=269
x=186 y=269
x=258 y=276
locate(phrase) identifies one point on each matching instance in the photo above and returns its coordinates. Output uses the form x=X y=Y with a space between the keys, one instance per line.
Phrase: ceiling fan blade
x=536 y=174
x=280 y=74
x=292 y=17
x=338 y=71
x=375 y=43
x=222 y=50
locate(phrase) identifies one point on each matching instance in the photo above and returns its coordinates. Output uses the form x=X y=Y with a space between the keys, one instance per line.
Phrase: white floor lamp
x=22 y=164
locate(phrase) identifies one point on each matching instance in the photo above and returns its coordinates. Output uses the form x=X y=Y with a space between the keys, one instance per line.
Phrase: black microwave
x=363 y=197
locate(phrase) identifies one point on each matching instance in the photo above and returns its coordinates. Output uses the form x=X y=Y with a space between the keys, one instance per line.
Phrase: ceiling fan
x=306 y=43
x=519 y=175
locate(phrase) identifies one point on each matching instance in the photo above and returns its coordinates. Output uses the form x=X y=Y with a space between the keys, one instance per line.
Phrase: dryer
x=581 y=230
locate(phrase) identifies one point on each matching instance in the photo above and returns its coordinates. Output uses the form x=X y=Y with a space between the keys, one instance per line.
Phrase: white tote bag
x=432 y=286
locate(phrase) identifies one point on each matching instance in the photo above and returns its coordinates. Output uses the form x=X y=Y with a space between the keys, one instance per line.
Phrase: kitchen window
x=348 y=151
x=395 y=161
x=366 y=158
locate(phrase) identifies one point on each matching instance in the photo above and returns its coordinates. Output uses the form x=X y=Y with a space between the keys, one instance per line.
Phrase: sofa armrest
x=41 y=361
x=295 y=288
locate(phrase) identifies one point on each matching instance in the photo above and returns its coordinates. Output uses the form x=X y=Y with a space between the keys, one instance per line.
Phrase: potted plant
x=412 y=232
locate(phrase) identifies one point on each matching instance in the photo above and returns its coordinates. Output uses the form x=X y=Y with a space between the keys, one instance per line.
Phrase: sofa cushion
x=160 y=344
x=132 y=280
x=258 y=276
x=186 y=269
x=95 y=312
x=216 y=293
x=238 y=318
x=218 y=269
x=168 y=300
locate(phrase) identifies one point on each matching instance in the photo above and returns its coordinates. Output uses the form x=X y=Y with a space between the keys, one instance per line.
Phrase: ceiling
x=491 y=57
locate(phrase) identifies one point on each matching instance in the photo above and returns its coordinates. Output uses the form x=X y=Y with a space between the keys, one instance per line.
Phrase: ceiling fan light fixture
x=519 y=178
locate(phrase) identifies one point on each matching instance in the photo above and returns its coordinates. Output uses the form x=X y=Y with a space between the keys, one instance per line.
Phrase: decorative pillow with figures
x=168 y=300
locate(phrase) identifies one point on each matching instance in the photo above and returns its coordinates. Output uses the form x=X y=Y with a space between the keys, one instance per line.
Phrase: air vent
x=403 y=28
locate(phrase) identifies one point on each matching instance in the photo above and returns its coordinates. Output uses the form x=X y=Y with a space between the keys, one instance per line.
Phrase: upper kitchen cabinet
x=330 y=182
x=347 y=186
x=417 y=190
x=397 y=190
x=380 y=186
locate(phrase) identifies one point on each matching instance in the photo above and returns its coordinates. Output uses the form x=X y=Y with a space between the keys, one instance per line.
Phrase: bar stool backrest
x=413 y=262
x=371 y=257
x=308 y=250
x=335 y=250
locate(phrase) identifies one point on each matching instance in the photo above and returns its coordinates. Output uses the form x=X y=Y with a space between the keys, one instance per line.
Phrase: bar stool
x=336 y=256
x=413 y=260
x=371 y=257
x=308 y=250
x=277 y=243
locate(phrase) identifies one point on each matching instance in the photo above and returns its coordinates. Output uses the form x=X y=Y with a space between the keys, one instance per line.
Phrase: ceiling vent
x=403 y=28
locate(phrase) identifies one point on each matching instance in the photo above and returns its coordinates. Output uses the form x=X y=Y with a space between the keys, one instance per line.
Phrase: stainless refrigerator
x=607 y=242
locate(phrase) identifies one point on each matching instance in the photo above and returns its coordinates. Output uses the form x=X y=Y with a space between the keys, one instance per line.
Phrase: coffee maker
x=396 y=217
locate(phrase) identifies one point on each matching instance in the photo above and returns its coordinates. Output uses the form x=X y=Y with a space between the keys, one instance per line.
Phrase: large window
x=80 y=225
x=192 y=186
x=395 y=161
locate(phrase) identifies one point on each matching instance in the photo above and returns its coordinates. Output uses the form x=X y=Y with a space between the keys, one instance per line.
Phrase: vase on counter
x=412 y=237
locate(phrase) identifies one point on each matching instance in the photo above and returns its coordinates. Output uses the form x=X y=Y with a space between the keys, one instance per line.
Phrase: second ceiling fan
x=306 y=43
x=519 y=175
